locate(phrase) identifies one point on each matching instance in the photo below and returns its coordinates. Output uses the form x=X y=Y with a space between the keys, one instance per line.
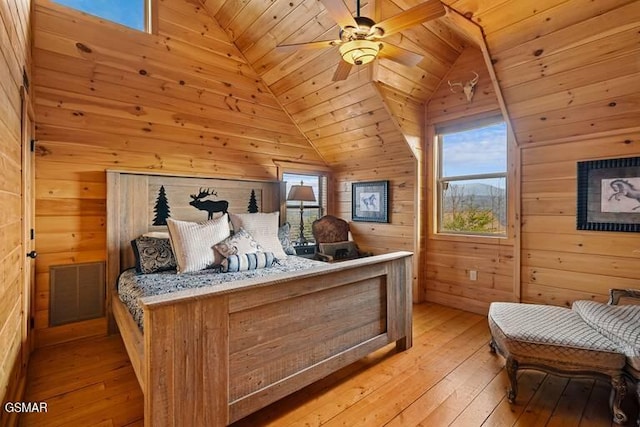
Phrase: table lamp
x=301 y=193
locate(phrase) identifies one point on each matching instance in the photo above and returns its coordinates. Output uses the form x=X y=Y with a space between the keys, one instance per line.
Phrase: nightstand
x=305 y=251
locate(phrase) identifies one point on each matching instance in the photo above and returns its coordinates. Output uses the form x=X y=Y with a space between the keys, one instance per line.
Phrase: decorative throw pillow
x=250 y=261
x=285 y=240
x=238 y=244
x=264 y=229
x=193 y=242
x=153 y=254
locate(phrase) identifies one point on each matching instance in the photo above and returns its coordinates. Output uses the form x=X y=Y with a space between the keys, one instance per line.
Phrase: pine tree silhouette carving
x=162 y=208
x=253 y=204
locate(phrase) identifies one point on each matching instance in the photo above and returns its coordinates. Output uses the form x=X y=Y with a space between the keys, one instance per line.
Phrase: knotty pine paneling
x=401 y=231
x=15 y=27
x=445 y=105
x=181 y=101
x=560 y=263
x=449 y=259
x=569 y=73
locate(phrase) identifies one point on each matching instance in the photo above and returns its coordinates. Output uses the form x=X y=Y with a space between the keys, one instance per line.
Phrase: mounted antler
x=468 y=87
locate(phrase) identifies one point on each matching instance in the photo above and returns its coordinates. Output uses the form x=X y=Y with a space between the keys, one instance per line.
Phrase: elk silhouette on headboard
x=211 y=206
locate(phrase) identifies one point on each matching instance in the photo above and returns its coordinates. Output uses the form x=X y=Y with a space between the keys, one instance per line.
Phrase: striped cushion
x=248 y=261
x=193 y=242
x=619 y=323
x=553 y=334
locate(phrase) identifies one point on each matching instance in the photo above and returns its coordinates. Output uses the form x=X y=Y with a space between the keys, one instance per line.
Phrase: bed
x=211 y=355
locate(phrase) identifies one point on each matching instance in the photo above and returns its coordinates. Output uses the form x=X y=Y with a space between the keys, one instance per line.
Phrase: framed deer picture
x=609 y=195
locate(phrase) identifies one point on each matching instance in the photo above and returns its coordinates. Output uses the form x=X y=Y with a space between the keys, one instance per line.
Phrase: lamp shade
x=301 y=193
x=359 y=52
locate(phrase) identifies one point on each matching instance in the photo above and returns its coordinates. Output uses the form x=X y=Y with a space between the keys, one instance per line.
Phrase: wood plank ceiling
x=366 y=120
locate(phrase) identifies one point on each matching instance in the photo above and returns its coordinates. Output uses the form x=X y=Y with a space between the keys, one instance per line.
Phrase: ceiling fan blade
x=309 y=45
x=340 y=13
x=342 y=72
x=423 y=12
x=399 y=55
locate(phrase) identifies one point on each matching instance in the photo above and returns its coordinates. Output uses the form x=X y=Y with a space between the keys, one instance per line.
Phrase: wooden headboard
x=138 y=203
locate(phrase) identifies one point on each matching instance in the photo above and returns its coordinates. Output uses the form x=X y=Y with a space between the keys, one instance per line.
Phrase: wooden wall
x=569 y=72
x=180 y=101
x=400 y=162
x=15 y=27
x=573 y=95
x=450 y=258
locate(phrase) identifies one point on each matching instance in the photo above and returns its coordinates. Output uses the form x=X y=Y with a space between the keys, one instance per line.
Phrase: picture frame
x=370 y=201
x=609 y=195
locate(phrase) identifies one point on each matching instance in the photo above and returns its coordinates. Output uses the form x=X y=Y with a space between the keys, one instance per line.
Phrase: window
x=472 y=179
x=311 y=210
x=131 y=13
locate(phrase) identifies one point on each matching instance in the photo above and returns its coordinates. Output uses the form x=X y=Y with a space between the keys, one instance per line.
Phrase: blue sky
x=126 y=12
x=476 y=151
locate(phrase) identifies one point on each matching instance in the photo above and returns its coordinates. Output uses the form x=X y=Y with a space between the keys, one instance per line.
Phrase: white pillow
x=193 y=242
x=264 y=229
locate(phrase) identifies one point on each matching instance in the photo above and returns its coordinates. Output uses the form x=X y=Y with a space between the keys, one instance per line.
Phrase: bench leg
x=512 y=370
x=618 y=392
x=492 y=346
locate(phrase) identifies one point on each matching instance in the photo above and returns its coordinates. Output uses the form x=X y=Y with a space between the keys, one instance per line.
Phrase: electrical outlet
x=473 y=275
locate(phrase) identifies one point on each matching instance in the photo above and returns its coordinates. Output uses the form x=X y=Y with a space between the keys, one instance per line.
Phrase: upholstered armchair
x=332 y=240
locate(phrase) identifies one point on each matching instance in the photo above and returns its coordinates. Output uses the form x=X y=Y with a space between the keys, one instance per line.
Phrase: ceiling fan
x=359 y=38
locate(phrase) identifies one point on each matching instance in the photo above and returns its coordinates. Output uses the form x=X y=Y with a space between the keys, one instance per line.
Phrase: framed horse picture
x=370 y=201
x=609 y=195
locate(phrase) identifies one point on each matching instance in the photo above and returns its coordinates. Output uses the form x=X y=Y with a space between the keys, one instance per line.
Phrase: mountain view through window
x=473 y=183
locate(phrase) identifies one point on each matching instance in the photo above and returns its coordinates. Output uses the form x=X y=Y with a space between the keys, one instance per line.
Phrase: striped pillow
x=249 y=261
x=193 y=242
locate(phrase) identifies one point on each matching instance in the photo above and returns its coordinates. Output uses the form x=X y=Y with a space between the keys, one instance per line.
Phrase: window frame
x=439 y=180
x=322 y=197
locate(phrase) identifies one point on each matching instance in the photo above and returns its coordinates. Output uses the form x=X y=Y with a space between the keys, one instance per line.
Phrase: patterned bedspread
x=133 y=286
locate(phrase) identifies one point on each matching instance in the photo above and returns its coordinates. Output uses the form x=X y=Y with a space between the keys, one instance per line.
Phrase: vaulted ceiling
x=549 y=56
x=367 y=118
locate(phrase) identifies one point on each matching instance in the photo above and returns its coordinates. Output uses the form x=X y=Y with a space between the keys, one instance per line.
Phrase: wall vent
x=76 y=292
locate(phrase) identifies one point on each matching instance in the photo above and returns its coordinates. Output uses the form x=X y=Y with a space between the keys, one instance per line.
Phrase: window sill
x=473 y=238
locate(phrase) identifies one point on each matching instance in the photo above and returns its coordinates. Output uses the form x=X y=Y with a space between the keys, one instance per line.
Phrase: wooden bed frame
x=211 y=356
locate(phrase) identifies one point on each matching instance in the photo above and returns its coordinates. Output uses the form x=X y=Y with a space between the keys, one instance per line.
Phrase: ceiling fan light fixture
x=359 y=52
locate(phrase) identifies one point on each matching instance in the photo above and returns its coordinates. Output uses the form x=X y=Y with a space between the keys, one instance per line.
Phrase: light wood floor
x=449 y=377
